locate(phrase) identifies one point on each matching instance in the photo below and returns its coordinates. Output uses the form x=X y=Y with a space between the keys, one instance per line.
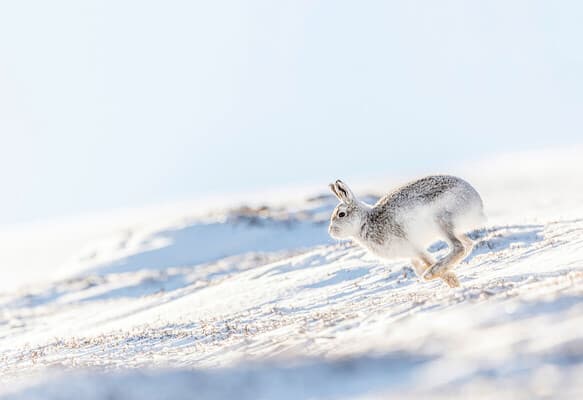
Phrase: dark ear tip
x=338 y=181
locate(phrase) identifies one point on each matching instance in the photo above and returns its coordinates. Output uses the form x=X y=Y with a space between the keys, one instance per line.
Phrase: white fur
x=407 y=222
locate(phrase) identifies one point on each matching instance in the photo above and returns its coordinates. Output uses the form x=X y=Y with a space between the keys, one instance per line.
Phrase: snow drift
x=258 y=302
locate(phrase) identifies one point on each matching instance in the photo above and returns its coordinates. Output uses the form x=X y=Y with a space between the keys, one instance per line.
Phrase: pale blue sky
x=107 y=104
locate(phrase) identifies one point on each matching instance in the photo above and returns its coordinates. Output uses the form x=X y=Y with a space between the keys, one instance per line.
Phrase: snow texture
x=258 y=302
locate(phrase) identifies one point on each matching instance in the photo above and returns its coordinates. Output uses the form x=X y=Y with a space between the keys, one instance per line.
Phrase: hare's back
x=418 y=210
x=431 y=191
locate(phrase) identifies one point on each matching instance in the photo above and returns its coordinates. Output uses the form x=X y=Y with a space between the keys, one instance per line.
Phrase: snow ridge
x=259 y=303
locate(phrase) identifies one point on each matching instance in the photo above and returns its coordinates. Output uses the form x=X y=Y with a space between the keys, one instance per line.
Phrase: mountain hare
x=404 y=222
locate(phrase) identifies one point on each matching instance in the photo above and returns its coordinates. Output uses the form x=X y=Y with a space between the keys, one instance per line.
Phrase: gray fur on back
x=382 y=222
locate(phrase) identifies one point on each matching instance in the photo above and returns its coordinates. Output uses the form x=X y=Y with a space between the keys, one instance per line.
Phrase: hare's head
x=348 y=216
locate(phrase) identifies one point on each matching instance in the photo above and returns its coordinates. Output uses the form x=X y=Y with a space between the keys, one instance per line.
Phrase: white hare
x=404 y=222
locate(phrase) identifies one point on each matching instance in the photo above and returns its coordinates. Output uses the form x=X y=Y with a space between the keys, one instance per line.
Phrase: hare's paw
x=431 y=273
x=451 y=279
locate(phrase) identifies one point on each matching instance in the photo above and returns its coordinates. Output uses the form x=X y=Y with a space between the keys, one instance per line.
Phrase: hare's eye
x=342 y=214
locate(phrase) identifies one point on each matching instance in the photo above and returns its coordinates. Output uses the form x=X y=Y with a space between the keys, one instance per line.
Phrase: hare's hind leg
x=457 y=253
x=451 y=279
x=419 y=266
x=468 y=244
x=421 y=263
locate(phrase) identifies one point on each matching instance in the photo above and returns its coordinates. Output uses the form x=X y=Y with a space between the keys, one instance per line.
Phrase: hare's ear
x=343 y=192
x=335 y=191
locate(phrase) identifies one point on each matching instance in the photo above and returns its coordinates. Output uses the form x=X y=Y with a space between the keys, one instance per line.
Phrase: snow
x=258 y=302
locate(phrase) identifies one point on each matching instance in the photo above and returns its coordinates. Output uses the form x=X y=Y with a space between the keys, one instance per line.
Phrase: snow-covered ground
x=257 y=302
